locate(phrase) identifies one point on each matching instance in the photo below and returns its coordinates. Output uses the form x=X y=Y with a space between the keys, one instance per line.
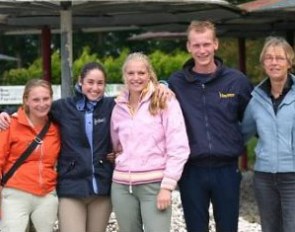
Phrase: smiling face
x=38 y=102
x=275 y=63
x=202 y=46
x=93 y=84
x=136 y=75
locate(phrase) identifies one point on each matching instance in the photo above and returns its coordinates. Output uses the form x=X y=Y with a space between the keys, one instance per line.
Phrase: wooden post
x=46 y=53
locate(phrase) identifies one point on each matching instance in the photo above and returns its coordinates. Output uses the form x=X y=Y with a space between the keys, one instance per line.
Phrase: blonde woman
x=30 y=192
x=150 y=139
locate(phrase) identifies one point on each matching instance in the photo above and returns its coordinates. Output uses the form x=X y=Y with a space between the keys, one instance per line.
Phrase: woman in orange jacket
x=30 y=192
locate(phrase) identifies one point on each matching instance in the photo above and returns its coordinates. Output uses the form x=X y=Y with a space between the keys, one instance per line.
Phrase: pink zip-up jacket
x=154 y=148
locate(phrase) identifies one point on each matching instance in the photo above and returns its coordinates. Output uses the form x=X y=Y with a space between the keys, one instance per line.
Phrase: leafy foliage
x=84 y=58
x=164 y=65
x=166 y=57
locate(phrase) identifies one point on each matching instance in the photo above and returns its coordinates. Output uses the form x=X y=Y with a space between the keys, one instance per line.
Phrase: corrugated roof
x=269 y=5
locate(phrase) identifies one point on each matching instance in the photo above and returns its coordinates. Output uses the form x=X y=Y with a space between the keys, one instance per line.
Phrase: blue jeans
x=201 y=185
x=275 y=195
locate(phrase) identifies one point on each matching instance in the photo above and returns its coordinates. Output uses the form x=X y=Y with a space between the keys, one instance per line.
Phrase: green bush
x=85 y=57
x=113 y=66
x=250 y=151
x=166 y=64
x=22 y=75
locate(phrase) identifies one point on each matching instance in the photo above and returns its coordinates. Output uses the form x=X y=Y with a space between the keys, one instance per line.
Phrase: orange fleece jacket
x=37 y=175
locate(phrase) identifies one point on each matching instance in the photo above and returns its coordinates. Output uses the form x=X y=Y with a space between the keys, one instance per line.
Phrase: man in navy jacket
x=213 y=98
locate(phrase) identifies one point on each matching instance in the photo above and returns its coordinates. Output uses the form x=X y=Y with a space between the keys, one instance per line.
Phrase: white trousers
x=19 y=206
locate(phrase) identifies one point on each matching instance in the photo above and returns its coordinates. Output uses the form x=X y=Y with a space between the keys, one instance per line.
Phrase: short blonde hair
x=201 y=26
x=276 y=41
x=32 y=84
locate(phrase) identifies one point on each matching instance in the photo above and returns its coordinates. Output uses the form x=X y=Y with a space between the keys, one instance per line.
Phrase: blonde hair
x=32 y=84
x=201 y=26
x=155 y=105
x=275 y=41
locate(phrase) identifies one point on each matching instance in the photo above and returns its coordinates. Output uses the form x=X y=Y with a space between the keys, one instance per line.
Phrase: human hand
x=164 y=199
x=4 y=121
x=111 y=157
x=164 y=93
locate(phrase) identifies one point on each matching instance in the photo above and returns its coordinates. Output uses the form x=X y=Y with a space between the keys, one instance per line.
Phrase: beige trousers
x=84 y=215
x=19 y=207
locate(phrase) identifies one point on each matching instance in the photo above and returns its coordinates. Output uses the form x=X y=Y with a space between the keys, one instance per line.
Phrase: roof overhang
x=149 y=15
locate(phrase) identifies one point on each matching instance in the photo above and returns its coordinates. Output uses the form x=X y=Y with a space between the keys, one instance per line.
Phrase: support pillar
x=66 y=49
x=46 y=53
x=243 y=68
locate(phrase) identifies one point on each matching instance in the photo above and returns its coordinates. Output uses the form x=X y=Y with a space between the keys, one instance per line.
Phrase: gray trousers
x=137 y=211
x=275 y=195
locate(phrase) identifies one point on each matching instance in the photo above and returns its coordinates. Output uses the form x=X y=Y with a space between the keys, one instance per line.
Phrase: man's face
x=202 y=47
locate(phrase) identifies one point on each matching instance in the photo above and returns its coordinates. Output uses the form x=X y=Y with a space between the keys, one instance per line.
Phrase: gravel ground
x=248 y=221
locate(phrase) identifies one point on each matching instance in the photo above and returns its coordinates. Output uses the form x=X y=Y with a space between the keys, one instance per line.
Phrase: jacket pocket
x=65 y=167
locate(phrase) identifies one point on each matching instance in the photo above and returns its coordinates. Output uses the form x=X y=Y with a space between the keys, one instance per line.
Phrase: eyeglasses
x=279 y=59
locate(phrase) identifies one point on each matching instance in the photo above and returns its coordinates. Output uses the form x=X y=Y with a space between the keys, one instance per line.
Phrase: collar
x=85 y=105
x=190 y=75
x=266 y=86
x=82 y=103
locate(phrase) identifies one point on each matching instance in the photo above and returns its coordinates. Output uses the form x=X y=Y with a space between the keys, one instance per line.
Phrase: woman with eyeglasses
x=271 y=116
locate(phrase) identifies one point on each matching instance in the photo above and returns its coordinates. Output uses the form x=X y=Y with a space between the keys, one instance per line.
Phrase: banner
x=12 y=95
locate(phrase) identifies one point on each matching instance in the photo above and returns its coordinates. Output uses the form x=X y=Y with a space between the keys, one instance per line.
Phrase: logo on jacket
x=99 y=120
x=226 y=95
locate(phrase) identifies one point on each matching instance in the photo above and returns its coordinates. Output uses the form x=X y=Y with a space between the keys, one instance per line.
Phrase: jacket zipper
x=132 y=113
x=40 y=147
x=206 y=120
x=129 y=172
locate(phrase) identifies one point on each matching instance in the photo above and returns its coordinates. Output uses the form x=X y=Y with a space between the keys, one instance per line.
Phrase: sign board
x=114 y=89
x=12 y=95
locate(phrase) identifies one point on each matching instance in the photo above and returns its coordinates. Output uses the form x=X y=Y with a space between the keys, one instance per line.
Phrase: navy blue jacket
x=213 y=107
x=76 y=162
